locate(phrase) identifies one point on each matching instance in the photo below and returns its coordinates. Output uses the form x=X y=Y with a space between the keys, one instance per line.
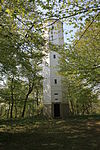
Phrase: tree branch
x=86 y=29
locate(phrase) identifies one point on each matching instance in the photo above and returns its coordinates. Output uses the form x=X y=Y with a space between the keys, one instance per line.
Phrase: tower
x=54 y=105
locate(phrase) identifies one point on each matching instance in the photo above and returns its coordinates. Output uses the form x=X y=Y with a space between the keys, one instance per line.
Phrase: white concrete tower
x=54 y=105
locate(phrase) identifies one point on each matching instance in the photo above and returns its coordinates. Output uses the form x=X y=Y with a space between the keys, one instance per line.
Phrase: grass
x=77 y=133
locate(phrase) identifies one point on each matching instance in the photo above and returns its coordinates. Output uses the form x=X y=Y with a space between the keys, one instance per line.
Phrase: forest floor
x=42 y=134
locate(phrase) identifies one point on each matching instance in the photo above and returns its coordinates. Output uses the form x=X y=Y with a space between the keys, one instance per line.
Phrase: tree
x=80 y=65
x=82 y=60
x=21 y=47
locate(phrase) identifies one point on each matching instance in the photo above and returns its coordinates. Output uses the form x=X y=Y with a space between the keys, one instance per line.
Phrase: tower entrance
x=56 y=110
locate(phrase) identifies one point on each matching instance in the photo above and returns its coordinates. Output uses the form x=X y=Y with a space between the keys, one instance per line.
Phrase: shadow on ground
x=71 y=134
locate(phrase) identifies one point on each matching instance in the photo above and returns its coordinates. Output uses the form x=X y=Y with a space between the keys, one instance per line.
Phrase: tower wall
x=52 y=85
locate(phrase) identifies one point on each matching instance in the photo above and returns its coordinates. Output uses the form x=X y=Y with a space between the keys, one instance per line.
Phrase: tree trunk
x=12 y=98
x=37 y=101
x=24 y=108
x=29 y=92
x=72 y=107
x=11 y=112
x=15 y=109
x=8 y=110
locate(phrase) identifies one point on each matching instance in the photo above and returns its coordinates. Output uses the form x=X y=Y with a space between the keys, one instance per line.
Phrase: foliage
x=82 y=60
x=21 y=52
x=80 y=99
x=80 y=65
x=22 y=42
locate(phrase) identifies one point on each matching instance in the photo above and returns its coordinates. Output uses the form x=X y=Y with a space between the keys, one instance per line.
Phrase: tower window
x=51 y=32
x=54 y=56
x=52 y=27
x=55 y=81
x=52 y=37
x=55 y=93
x=56 y=99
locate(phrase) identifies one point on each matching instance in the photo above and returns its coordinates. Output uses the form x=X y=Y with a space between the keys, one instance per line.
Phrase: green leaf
x=0 y=8
x=69 y=2
x=8 y=11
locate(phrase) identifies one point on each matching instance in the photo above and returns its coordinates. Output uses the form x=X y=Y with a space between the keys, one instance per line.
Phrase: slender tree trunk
x=72 y=107
x=15 y=109
x=37 y=100
x=11 y=111
x=24 y=108
x=26 y=99
x=8 y=110
x=77 y=109
x=12 y=98
x=33 y=108
x=1 y=111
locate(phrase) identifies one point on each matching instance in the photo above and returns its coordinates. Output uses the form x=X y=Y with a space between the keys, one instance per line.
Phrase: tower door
x=56 y=110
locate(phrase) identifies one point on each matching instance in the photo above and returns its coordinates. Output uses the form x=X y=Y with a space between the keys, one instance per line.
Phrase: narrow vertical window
x=52 y=28
x=52 y=33
x=55 y=81
x=54 y=56
x=52 y=37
